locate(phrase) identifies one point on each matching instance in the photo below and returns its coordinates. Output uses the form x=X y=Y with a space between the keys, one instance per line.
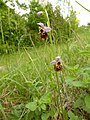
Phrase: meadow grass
x=27 y=75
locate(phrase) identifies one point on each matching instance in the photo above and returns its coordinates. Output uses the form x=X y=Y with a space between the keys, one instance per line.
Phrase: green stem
x=60 y=97
x=83 y=6
x=65 y=116
x=50 y=34
x=48 y=24
x=2 y=34
x=2 y=110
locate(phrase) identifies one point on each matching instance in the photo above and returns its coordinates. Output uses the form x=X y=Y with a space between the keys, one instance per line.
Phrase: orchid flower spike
x=41 y=24
x=43 y=30
x=57 y=63
x=47 y=29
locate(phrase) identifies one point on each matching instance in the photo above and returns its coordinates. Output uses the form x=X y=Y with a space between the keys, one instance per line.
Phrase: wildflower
x=40 y=13
x=57 y=64
x=47 y=29
x=40 y=24
x=43 y=30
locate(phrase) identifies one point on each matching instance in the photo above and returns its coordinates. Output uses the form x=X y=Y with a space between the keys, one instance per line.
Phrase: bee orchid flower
x=40 y=24
x=43 y=30
x=57 y=63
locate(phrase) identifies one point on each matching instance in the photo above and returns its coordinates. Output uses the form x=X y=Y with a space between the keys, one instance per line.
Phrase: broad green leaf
x=43 y=106
x=45 y=116
x=46 y=98
x=29 y=115
x=87 y=101
x=70 y=68
x=78 y=84
x=69 y=80
x=73 y=68
x=71 y=115
x=86 y=109
x=79 y=102
x=14 y=115
x=32 y=106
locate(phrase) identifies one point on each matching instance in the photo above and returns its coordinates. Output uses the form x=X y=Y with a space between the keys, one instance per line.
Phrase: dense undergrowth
x=28 y=83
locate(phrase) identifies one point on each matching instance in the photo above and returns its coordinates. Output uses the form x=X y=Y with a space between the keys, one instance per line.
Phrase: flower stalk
x=48 y=24
x=59 y=97
x=58 y=66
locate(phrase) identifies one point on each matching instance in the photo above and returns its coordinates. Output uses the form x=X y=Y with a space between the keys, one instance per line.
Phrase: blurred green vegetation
x=20 y=31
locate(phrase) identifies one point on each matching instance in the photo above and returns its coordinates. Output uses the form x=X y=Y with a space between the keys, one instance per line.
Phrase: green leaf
x=86 y=109
x=46 y=98
x=2 y=110
x=69 y=80
x=32 y=106
x=76 y=66
x=88 y=47
x=29 y=116
x=71 y=115
x=87 y=101
x=87 y=69
x=85 y=53
x=45 y=116
x=78 y=84
x=79 y=102
x=43 y=106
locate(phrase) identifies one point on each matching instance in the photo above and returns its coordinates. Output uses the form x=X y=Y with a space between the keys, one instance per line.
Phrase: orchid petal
x=53 y=62
x=57 y=58
x=41 y=24
x=47 y=29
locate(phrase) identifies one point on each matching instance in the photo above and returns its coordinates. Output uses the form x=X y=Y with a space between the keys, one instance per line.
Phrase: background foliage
x=17 y=31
